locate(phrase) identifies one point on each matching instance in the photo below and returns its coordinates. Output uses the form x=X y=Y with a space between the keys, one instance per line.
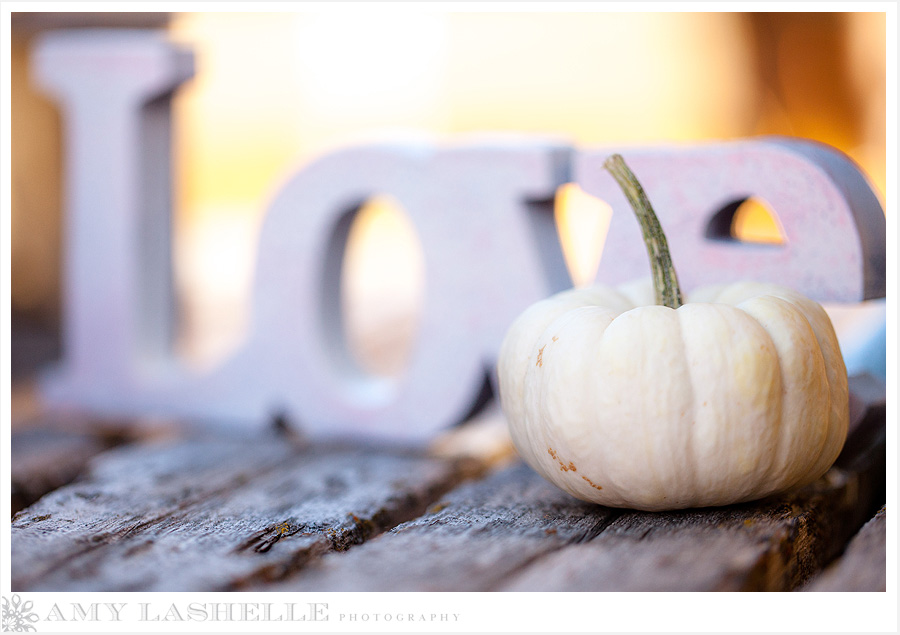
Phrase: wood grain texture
x=514 y=532
x=215 y=514
x=862 y=567
x=265 y=512
x=471 y=540
x=42 y=460
x=50 y=449
x=772 y=545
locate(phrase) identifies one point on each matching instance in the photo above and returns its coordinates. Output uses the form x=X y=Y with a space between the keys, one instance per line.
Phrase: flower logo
x=17 y=615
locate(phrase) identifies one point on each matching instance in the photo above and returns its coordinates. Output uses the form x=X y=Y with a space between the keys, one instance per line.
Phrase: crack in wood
x=185 y=518
x=377 y=492
x=93 y=542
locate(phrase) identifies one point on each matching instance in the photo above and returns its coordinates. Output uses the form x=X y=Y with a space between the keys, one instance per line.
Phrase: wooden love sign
x=483 y=214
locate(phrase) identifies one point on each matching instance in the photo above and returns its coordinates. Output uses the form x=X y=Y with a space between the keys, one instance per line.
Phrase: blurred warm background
x=272 y=91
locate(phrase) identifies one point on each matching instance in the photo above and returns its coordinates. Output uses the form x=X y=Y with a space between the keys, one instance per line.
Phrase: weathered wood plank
x=515 y=532
x=259 y=512
x=765 y=546
x=863 y=566
x=51 y=449
x=216 y=514
x=42 y=460
x=470 y=541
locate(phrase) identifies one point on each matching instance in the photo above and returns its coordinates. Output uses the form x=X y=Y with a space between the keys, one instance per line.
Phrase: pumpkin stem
x=665 y=282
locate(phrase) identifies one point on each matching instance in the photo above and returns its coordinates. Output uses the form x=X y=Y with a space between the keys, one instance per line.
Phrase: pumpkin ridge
x=690 y=450
x=835 y=376
x=775 y=473
x=782 y=477
x=822 y=460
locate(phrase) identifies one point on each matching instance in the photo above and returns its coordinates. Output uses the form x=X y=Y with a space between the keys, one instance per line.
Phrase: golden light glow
x=363 y=68
x=273 y=91
x=582 y=221
x=867 y=42
x=755 y=222
x=598 y=78
x=215 y=252
x=382 y=286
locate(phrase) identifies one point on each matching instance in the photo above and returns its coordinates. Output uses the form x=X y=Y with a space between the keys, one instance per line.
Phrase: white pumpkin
x=735 y=395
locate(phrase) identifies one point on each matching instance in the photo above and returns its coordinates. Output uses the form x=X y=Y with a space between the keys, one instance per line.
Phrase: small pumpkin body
x=737 y=394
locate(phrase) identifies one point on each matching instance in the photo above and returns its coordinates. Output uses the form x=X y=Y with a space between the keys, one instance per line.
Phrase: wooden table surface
x=109 y=506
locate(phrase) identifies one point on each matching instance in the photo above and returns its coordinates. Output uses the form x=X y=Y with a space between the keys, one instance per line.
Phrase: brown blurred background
x=274 y=90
